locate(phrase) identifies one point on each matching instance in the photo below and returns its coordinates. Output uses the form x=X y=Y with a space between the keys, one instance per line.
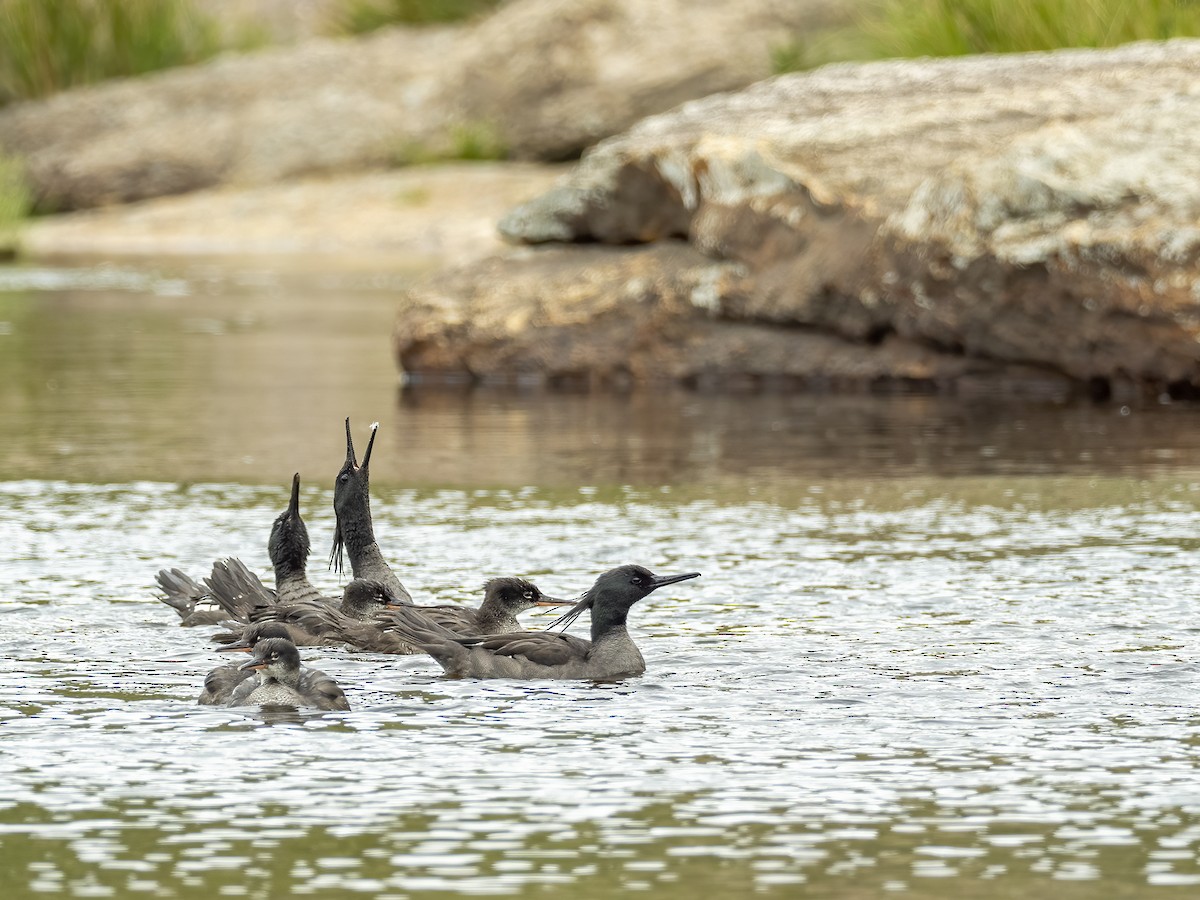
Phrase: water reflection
x=207 y=374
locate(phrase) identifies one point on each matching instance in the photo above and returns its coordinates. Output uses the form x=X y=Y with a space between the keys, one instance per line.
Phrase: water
x=939 y=649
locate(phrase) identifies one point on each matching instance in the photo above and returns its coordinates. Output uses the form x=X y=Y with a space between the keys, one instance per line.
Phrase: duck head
x=363 y=598
x=252 y=634
x=514 y=595
x=275 y=658
x=288 y=545
x=352 y=500
x=614 y=593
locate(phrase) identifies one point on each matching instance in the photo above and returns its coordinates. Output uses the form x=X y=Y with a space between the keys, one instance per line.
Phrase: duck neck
x=287 y=574
x=492 y=618
x=287 y=677
x=358 y=534
x=609 y=622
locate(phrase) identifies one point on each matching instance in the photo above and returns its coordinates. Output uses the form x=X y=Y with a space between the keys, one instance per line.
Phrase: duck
x=353 y=620
x=221 y=681
x=283 y=681
x=504 y=599
x=610 y=655
x=240 y=592
x=354 y=532
x=236 y=590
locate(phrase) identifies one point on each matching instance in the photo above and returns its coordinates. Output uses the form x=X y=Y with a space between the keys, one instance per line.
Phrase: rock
x=1024 y=214
x=555 y=76
x=543 y=78
x=416 y=218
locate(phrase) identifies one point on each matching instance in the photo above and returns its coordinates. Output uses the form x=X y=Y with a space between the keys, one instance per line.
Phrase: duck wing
x=183 y=594
x=323 y=691
x=220 y=684
x=375 y=637
x=237 y=590
x=311 y=623
x=541 y=647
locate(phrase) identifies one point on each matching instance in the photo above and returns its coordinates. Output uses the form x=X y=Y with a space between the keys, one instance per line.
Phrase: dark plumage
x=236 y=590
x=503 y=600
x=609 y=655
x=221 y=681
x=186 y=597
x=283 y=681
x=354 y=531
x=320 y=622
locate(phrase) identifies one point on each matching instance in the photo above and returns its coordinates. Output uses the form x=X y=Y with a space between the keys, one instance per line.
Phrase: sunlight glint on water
x=848 y=696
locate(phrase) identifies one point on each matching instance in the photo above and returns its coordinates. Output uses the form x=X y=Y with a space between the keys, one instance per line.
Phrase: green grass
x=956 y=27
x=16 y=201
x=913 y=28
x=51 y=45
x=361 y=16
x=473 y=141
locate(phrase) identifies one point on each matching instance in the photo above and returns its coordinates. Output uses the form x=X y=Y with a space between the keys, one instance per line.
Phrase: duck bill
x=257 y=663
x=294 y=503
x=238 y=647
x=391 y=601
x=576 y=610
x=350 y=460
x=370 y=444
x=663 y=580
x=551 y=601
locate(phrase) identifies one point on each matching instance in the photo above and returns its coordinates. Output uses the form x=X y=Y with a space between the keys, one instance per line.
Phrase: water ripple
x=927 y=699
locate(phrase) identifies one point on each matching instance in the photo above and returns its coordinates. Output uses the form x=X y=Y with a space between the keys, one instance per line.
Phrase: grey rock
x=1035 y=212
x=544 y=78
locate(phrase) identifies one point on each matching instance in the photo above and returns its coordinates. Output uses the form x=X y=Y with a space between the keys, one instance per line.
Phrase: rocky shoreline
x=1030 y=222
x=1017 y=224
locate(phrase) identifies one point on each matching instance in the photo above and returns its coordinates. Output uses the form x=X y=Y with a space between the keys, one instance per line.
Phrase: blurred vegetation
x=16 y=200
x=50 y=45
x=912 y=28
x=361 y=16
x=476 y=141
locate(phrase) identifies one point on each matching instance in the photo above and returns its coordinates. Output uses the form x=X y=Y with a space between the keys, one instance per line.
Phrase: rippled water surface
x=939 y=649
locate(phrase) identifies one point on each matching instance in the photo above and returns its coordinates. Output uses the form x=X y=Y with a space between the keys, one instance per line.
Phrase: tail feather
x=422 y=632
x=182 y=592
x=237 y=590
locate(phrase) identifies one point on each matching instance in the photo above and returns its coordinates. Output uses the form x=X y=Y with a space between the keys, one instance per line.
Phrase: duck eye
x=637 y=579
x=529 y=595
x=344 y=477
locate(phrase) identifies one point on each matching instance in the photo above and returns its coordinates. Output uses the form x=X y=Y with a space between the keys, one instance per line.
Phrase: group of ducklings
x=377 y=614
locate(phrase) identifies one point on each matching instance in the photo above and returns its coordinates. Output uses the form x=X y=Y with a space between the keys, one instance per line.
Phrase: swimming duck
x=503 y=600
x=221 y=681
x=238 y=591
x=609 y=655
x=354 y=531
x=283 y=681
x=319 y=622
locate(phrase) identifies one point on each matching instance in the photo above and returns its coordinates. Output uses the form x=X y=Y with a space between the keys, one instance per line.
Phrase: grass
x=913 y=28
x=473 y=141
x=51 y=45
x=16 y=201
x=361 y=16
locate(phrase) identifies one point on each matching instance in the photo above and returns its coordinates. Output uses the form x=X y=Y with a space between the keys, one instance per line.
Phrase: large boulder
x=1034 y=214
x=542 y=78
